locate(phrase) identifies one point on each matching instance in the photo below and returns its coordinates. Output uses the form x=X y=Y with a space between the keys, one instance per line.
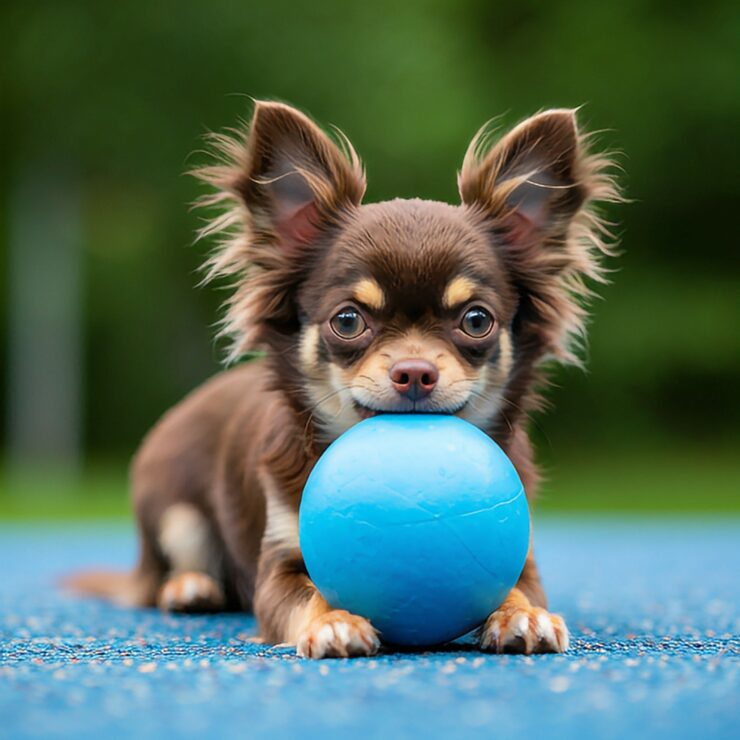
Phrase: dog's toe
x=524 y=630
x=338 y=634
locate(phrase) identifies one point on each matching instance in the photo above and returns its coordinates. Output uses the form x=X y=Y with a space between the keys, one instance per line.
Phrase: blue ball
x=418 y=522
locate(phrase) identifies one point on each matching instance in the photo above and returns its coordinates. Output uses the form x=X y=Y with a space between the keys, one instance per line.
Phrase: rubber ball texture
x=417 y=522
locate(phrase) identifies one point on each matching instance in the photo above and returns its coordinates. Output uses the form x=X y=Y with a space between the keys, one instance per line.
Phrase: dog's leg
x=522 y=623
x=289 y=608
x=291 y=611
x=186 y=539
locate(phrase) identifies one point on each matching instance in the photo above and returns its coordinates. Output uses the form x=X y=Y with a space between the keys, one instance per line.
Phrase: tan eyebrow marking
x=458 y=290
x=368 y=291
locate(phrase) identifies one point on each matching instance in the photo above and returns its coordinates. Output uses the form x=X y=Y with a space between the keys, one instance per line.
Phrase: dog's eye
x=477 y=322
x=348 y=323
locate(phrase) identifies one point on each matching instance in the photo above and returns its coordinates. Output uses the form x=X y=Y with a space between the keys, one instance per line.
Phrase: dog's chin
x=366 y=412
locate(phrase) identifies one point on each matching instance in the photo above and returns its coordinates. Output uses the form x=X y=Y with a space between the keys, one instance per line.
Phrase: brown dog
x=401 y=306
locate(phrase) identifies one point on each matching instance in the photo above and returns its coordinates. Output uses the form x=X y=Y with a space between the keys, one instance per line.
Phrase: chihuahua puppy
x=403 y=306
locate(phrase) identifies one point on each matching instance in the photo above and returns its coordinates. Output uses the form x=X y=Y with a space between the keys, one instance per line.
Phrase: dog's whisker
x=314 y=409
x=372 y=380
x=531 y=418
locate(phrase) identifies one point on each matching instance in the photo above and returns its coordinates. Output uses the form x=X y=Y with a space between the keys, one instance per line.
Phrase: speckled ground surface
x=653 y=609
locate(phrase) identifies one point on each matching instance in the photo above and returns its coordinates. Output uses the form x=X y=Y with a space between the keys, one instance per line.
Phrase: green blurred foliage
x=121 y=94
x=680 y=481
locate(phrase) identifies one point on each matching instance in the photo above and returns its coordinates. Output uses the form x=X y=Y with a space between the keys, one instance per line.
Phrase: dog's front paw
x=338 y=634
x=514 y=628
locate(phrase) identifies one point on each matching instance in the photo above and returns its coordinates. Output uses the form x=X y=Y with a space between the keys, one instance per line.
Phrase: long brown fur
x=217 y=483
x=245 y=242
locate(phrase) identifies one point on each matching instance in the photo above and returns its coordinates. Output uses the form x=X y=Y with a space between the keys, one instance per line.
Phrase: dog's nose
x=414 y=378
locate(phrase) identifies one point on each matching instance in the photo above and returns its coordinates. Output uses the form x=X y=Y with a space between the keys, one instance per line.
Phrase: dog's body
x=404 y=306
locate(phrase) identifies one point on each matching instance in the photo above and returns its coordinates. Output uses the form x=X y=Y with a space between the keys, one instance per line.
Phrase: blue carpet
x=653 y=610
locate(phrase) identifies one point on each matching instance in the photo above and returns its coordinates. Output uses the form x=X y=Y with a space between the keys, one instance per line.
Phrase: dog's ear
x=529 y=181
x=294 y=178
x=537 y=190
x=277 y=188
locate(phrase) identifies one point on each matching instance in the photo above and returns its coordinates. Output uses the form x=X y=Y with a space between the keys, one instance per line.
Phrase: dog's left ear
x=529 y=181
x=538 y=190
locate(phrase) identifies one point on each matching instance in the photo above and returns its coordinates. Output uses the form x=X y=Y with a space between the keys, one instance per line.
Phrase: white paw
x=524 y=630
x=191 y=592
x=338 y=634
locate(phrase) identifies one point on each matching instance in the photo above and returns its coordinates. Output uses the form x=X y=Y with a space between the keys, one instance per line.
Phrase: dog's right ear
x=294 y=178
x=277 y=188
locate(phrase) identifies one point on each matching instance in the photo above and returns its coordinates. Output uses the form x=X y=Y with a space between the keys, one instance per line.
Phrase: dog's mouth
x=365 y=412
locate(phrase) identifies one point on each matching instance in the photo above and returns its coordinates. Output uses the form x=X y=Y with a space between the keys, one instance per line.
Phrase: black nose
x=414 y=378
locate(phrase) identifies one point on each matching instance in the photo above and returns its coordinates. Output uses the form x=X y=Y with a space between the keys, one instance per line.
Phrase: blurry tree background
x=104 y=106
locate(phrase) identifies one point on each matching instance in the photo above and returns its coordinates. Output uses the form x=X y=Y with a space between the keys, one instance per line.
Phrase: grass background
x=690 y=481
x=105 y=106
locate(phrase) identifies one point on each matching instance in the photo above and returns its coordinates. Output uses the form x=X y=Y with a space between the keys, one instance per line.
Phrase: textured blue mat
x=653 y=610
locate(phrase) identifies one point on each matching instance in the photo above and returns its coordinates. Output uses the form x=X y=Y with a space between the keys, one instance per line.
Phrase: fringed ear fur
x=281 y=182
x=294 y=176
x=538 y=188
